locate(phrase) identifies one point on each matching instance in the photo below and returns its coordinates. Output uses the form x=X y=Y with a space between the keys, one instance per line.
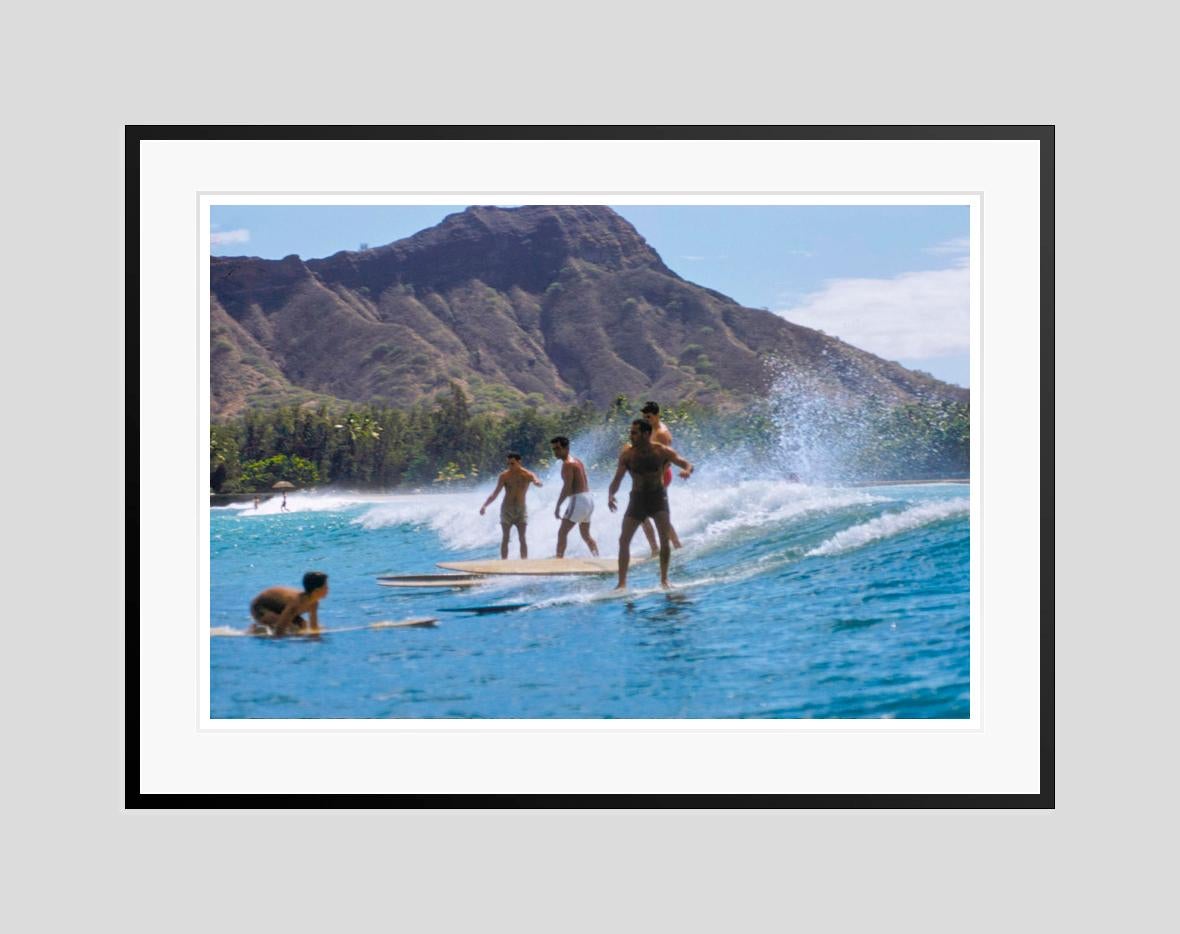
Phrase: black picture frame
x=1044 y=798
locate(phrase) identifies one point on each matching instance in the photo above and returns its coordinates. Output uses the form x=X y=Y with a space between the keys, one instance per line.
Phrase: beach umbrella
x=283 y=485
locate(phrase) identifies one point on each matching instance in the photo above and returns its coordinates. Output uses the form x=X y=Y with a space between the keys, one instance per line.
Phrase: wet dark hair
x=560 y=439
x=512 y=455
x=643 y=425
x=314 y=580
x=651 y=408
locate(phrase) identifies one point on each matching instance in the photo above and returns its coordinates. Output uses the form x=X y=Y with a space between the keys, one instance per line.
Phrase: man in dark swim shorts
x=645 y=460
x=644 y=504
x=660 y=434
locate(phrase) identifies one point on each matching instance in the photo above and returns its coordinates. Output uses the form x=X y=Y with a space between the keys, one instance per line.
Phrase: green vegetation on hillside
x=374 y=447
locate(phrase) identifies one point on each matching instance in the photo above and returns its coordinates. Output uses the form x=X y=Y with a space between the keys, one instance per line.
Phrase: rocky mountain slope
x=534 y=304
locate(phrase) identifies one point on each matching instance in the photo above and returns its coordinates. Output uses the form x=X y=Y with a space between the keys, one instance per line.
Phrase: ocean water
x=789 y=600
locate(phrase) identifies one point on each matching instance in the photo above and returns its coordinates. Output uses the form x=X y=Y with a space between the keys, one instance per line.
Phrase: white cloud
x=913 y=315
x=958 y=249
x=229 y=236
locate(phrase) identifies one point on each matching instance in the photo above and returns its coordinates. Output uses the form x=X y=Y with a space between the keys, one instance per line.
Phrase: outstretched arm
x=567 y=475
x=679 y=461
x=496 y=492
x=536 y=480
x=614 y=484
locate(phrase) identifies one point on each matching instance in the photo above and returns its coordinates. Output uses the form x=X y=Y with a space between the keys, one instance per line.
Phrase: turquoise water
x=789 y=601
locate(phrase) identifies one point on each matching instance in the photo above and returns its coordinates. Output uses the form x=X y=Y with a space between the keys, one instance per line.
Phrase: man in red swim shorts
x=660 y=434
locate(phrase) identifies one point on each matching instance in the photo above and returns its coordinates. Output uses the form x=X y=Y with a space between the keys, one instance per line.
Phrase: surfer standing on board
x=515 y=483
x=660 y=434
x=576 y=487
x=276 y=611
x=645 y=461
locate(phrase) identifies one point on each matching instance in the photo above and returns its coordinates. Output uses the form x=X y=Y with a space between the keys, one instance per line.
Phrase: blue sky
x=890 y=279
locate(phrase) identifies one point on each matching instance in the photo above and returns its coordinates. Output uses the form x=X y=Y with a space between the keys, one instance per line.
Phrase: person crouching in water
x=645 y=461
x=278 y=610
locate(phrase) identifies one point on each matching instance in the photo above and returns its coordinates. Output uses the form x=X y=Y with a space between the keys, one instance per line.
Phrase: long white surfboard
x=312 y=633
x=539 y=566
x=436 y=585
x=427 y=578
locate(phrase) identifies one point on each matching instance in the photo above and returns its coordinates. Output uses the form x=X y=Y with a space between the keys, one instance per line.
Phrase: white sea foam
x=715 y=516
x=307 y=501
x=891 y=524
x=705 y=514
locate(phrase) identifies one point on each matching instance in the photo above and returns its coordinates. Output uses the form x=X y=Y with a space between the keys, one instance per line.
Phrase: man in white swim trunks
x=515 y=483
x=576 y=488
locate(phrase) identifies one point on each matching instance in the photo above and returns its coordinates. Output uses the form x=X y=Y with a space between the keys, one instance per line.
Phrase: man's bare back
x=516 y=482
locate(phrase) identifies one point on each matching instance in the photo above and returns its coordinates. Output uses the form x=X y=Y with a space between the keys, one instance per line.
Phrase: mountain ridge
x=536 y=304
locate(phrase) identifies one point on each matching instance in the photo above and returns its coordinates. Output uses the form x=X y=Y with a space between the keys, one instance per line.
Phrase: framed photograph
x=653 y=463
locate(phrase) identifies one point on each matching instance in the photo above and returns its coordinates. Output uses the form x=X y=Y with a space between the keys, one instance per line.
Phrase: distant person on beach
x=284 y=506
x=660 y=434
x=645 y=461
x=515 y=483
x=257 y=500
x=576 y=488
x=277 y=611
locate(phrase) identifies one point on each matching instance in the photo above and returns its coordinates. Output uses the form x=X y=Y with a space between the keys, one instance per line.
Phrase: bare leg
x=506 y=530
x=264 y=622
x=664 y=525
x=651 y=537
x=267 y=621
x=673 y=537
x=584 y=528
x=562 y=536
x=625 y=535
x=298 y=624
x=524 y=545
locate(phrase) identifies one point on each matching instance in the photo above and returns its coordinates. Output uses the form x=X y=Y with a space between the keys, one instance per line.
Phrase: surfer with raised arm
x=646 y=461
x=277 y=610
x=515 y=483
x=576 y=488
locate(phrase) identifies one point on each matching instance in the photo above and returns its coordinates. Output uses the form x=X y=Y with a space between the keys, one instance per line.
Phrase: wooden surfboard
x=424 y=578
x=481 y=610
x=440 y=584
x=312 y=634
x=540 y=566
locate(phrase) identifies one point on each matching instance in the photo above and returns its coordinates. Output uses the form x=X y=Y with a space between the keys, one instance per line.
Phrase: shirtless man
x=645 y=461
x=576 y=487
x=660 y=434
x=515 y=483
x=277 y=610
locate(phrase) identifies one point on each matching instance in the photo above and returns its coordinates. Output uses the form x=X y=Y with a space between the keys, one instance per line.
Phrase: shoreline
x=226 y=499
